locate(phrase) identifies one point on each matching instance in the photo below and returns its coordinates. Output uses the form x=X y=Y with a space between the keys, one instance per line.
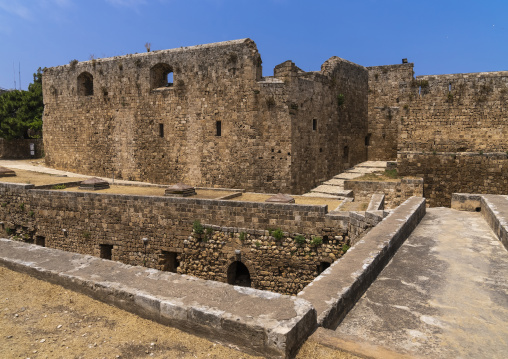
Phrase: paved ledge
x=495 y=211
x=259 y=322
x=337 y=289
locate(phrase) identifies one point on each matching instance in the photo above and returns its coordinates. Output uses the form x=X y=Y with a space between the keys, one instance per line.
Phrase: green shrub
x=58 y=186
x=391 y=173
x=22 y=206
x=86 y=234
x=31 y=213
x=9 y=231
x=258 y=244
x=4 y=204
x=345 y=248
x=197 y=227
x=299 y=239
x=316 y=241
x=341 y=99
x=277 y=234
x=242 y=236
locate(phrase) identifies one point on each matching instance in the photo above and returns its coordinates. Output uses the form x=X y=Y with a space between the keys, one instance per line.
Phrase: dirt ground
x=38 y=178
x=42 y=320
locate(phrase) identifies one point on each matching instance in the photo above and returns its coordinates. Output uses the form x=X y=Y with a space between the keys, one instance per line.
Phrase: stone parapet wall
x=445 y=173
x=20 y=148
x=395 y=192
x=86 y=222
x=456 y=113
x=218 y=124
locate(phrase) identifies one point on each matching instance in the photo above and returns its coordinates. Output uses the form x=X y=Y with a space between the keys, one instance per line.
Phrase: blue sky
x=444 y=36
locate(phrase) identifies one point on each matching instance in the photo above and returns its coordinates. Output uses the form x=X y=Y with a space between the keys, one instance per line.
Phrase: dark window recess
x=161 y=130
x=367 y=140
x=320 y=150
x=269 y=178
x=314 y=125
x=218 y=128
x=238 y=274
x=326 y=240
x=85 y=84
x=106 y=251
x=346 y=152
x=322 y=267
x=450 y=87
x=161 y=75
x=170 y=261
x=40 y=241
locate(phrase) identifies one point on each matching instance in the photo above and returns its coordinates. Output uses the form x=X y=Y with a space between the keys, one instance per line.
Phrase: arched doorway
x=238 y=274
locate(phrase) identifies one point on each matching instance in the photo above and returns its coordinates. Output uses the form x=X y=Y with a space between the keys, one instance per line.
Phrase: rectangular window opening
x=40 y=241
x=314 y=125
x=170 y=261
x=218 y=128
x=106 y=251
x=161 y=130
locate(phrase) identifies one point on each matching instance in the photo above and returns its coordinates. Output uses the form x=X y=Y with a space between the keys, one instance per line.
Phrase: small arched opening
x=238 y=274
x=161 y=75
x=85 y=84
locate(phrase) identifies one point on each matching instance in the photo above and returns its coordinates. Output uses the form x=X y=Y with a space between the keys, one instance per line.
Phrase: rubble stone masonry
x=95 y=223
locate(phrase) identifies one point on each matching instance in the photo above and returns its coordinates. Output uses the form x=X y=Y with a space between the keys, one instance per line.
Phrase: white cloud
x=28 y=10
x=127 y=3
x=15 y=8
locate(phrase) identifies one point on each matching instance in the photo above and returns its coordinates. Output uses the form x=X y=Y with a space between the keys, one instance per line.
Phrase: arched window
x=85 y=84
x=238 y=274
x=161 y=75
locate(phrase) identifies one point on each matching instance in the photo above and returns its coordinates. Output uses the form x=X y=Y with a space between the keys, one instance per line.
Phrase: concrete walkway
x=443 y=295
x=335 y=186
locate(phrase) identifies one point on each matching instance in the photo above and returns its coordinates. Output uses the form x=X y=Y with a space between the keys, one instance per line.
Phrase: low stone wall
x=260 y=323
x=395 y=192
x=20 y=148
x=108 y=225
x=445 y=173
x=338 y=288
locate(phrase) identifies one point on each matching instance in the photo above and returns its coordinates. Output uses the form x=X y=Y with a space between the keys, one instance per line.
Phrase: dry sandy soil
x=42 y=320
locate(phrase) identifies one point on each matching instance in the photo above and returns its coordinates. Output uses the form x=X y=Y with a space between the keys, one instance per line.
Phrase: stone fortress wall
x=452 y=130
x=205 y=116
x=112 y=226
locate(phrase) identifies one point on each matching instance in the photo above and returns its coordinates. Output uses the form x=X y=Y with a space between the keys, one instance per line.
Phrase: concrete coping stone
x=259 y=322
x=377 y=202
x=335 y=291
x=494 y=209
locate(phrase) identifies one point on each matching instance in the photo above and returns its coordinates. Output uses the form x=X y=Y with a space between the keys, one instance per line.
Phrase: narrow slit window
x=346 y=152
x=161 y=130
x=450 y=87
x=218 y=128
x=314 y=125
x=169 y=79
x=367 y=140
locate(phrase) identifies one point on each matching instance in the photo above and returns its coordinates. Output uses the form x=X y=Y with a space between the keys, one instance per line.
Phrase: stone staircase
x=335 y=186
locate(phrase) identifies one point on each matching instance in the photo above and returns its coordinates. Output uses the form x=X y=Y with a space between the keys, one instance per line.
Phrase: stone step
x=322 y=195
x=376 y=164
x=335 y=182
x=348 y=175
x=333 y=190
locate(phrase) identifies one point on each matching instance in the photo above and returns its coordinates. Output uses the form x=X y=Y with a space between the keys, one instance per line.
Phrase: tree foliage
x=21 y=111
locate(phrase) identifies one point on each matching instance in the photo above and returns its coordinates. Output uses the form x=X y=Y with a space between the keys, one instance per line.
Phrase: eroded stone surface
x=444 y=294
